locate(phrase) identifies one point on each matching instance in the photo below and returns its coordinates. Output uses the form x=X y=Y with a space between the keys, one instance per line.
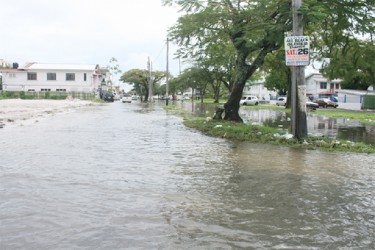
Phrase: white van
x=249 y=100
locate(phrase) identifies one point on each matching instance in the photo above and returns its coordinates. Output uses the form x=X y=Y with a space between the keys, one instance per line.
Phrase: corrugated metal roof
x=56 y=66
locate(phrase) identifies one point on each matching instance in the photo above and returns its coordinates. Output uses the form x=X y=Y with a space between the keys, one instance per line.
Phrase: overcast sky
x=87 y=32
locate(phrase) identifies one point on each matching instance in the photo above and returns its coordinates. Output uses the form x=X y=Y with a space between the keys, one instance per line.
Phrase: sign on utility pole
x=297 y=49
x=297 y=56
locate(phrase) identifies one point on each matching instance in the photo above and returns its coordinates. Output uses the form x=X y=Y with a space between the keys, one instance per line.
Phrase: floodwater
x=340 y=128
x=131 y=176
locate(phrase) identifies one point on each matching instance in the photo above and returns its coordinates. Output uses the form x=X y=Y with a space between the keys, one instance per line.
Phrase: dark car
x=325 y=102
x=107 y=96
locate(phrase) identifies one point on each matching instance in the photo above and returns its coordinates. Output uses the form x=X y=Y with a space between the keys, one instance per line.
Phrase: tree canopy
x=140 y=80
x=251 y=29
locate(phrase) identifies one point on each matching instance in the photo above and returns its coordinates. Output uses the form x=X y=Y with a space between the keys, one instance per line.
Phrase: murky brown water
x=126 y=176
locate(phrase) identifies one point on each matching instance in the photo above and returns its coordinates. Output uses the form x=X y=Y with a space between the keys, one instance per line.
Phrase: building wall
x=17 y=81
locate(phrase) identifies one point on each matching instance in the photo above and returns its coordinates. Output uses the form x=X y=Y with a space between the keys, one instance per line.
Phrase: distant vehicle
x=107 y=96
x=249 y=100
x=126 y=98
x=325 y=102
x=311 y=105
x=281 y=101
x=134 y=97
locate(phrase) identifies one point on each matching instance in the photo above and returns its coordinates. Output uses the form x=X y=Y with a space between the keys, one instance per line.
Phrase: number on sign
x=303 y=51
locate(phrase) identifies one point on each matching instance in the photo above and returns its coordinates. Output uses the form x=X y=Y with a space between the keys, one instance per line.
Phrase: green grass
x=367 y=117
x=264 y=134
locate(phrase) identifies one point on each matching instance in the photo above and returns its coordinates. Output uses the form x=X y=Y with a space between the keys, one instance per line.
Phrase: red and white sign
x=297 y=49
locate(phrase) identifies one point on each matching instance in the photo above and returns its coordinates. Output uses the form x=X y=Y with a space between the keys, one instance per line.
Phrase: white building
x=257 y=88
x=319 y=86
x=42 y=77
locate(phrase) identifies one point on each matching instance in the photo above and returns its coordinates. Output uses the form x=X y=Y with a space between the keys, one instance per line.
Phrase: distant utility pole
x=167 y=75
x=299 y=120
x=150 y=81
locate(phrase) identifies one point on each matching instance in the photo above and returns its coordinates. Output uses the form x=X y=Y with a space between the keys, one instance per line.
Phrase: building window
x=51 y=76
x=84 y=77
x=70 y=77
x=31 y=76
x=337 y=85
x=323 y=85
x=12 y=75
x=61 y=90
x=31 y=90
x=45 y=90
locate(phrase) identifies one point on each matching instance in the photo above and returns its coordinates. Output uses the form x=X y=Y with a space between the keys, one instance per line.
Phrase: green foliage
x=140 y=80
x=279 y=75
x=264 y=134
x=355 y=66
x=35 y=95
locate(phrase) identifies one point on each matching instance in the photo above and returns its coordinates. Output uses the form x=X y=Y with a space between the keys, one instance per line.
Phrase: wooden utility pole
x=167 y=75
x=299 y=120
x=150 y=81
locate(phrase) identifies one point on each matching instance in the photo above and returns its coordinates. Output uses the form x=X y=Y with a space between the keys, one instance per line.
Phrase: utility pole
x=299 y=120
x=167 y=75
x=150 y=81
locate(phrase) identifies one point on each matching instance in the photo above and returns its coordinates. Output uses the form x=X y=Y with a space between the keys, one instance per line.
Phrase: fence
x=369 y=102
x=46 y=95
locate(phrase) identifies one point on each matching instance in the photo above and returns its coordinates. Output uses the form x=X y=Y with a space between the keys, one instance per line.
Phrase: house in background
x=318 y=86
x=44 y=77
x=356 y=99
x=257 y=88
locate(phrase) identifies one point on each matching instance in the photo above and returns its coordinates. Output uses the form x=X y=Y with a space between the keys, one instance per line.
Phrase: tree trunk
x=243 y=73
x=232 y=106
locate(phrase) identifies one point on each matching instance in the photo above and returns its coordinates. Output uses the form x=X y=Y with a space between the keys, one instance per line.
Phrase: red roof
x=10 y=70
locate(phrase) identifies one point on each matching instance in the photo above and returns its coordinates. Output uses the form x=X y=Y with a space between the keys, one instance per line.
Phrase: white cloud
x=85 y=31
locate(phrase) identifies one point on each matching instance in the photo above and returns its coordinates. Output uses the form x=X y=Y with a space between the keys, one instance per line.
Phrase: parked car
x=281 y=101
x=249 y=100
x=107 y=96
x=325 y=102
x=126 y=98
x=311 y=105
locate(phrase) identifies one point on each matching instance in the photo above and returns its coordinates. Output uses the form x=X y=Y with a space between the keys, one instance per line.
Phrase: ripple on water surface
x=132 y=176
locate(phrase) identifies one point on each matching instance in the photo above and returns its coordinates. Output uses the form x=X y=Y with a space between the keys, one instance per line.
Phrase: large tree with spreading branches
x=254 y=28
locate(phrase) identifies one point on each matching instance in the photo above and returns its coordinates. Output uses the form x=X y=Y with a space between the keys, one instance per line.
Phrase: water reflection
x=341 y=128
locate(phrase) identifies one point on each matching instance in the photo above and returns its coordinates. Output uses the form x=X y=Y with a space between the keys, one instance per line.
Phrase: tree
x=356 y=67
x=114 y=67
x=252 y=29
x=139 y=78
x=342 y=32
x=195 y=78
x=278 y=74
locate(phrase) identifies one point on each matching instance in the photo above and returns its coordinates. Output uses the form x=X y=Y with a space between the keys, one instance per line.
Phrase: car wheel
x=277 y=104
x=244 y=103
x=256 y=103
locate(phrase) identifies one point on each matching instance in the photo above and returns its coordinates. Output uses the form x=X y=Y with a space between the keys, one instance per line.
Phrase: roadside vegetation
x=45 y=95
x=267 y=135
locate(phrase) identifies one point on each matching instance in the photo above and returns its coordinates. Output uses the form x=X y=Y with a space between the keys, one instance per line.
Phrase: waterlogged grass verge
x=264 y=134
x=366 y=117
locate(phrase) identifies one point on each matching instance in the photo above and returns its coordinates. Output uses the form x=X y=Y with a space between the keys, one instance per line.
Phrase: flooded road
x=131 y=176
